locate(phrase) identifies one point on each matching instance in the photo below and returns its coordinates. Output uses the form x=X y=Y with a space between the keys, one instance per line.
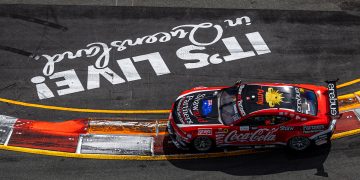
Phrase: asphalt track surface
x=306 y=47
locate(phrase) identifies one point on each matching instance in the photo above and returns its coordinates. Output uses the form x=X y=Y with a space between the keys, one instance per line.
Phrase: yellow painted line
x=106 y=111
x=345 y=134
x=348 y=96
x=128 y=157
x=348 y=83
x=349 y=107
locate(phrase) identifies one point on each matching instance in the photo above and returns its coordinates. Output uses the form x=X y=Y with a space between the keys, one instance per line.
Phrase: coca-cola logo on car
x=264 y=134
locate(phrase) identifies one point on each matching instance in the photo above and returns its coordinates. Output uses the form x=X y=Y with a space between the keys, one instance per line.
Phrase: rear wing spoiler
x=333 y=98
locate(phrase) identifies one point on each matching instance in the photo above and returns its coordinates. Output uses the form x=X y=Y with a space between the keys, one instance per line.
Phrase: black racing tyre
x=299 y=143
x=202 y=144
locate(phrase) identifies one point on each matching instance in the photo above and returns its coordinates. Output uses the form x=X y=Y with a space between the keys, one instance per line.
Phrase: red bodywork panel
x=297 y=124
x=58 y=136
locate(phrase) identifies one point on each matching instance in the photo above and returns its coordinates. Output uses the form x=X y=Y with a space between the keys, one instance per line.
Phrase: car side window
x=264 y=120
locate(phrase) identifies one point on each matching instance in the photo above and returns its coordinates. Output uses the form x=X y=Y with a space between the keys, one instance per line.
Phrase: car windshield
x=306 y=101
x=228 y=106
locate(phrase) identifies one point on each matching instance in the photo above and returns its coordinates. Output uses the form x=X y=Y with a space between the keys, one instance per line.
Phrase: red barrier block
x=58 y=136
x=348 y=121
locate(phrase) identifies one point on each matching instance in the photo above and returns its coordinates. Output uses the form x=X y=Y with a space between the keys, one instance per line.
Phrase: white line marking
x=157 y=128
x=93 y=80
x=78 y=148
x=236 y=52
x=357 y=113
x=258 y=43
x=129 y=70
x=152 y=147
x=8 y=137
x=156 y=62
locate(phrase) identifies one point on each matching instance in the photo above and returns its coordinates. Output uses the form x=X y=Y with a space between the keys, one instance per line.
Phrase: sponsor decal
x=244 y=128
x=241 y=108
x=333 y=99
x=206 y=107
x=204 y=131
x=260 y=96
x=235 y=110
x=298 y=100
x=199 y=117
x=264 y=135
x=313 y=129
x=273 y=97
x=105 y=61
x=286 y=128
x=240 y=89
x=178 y=110
x=222 y=130
x=322 y=139
x=236 y=115
x=240 y=101
x=220 y=134
x=185 y=113
x=195 y=105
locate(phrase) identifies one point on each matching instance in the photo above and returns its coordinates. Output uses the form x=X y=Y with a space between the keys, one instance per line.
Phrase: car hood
x=197 y=108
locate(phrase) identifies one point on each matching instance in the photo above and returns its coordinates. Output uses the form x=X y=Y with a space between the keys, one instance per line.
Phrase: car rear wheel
x=202 y=143
x=299 y=143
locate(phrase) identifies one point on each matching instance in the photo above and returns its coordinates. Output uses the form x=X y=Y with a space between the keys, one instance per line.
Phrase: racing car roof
x=254 y=97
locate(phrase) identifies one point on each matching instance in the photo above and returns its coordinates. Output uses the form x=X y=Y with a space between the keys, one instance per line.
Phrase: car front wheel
x=299 y=143
x=202 y=143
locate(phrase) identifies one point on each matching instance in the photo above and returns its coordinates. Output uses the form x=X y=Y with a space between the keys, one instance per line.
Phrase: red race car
x=255 y=115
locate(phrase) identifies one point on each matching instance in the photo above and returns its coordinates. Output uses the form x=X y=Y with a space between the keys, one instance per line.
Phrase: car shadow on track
x=265 y=162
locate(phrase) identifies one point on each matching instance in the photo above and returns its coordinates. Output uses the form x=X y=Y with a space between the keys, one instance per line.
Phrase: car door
x=256 y=130
x=270 y=131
